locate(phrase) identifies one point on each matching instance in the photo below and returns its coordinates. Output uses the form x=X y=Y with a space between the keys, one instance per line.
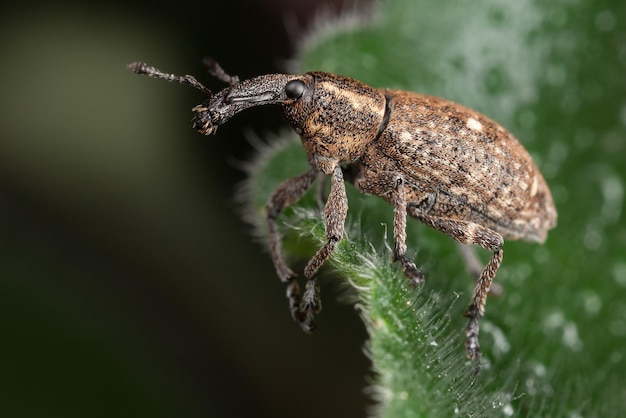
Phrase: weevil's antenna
x=218 y=72
x=143 y=68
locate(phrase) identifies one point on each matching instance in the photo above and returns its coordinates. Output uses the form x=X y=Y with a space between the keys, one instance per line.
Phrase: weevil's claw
x=308 y=325
x=410 y=270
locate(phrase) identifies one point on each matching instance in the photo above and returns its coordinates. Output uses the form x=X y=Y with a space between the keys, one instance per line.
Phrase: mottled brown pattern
x=447 y=166
x=458 y=172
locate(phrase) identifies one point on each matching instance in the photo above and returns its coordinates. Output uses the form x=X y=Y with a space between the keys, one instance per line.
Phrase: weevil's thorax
x=336 y=118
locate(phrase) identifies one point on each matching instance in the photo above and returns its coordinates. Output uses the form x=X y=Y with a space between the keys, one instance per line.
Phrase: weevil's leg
x=399 y=235
x=335 y=213
x=289 y=192
x=475 y=268
x=470 y=233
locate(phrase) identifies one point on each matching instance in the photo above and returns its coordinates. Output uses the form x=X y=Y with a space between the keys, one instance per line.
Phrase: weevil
x=446 y=165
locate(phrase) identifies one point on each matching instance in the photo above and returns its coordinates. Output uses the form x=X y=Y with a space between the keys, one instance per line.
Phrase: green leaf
x=552 y=73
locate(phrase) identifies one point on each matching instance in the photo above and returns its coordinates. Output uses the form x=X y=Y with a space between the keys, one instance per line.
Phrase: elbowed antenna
x=139 y=67
x=216 y=70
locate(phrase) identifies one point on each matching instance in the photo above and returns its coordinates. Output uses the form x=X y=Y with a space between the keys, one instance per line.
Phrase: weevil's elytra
x=450 y=167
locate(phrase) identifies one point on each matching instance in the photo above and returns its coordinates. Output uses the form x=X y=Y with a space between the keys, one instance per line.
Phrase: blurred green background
x=130 y=286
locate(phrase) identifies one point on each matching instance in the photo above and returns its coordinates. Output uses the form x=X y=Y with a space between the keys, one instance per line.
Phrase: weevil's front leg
x=399 y=235
x=470 y=233
x=289 y=192
x=335 y=213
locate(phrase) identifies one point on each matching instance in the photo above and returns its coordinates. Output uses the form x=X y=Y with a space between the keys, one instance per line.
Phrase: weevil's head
x=335 y=116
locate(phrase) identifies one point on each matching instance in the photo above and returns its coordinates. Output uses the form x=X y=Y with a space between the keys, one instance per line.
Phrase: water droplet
x=570 y=336
x=553 y=321
x=613 y=194
x=592 y=302
x=539 y=369
x=527 y=118
x=593 y=238
x=558 y=17
x=615 y=357
x=530 y=386
x=556 y=75
x=617 y=327
x=496 y=404
x=619 y=273
x=605 y=21
x=508 y=410
x=500 y=342
x=541 y=255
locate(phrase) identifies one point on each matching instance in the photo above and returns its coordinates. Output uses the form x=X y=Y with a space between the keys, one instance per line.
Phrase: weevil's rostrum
x=441 y=163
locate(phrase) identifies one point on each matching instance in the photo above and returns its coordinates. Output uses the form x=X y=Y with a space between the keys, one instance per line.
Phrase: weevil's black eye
x=294 y=89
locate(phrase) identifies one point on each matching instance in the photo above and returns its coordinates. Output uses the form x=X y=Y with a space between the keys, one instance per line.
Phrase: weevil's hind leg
x=289 y=192
x=475 y=268
x=470 y=233
x=399 y=234
x=335 y=213
x=476 y=308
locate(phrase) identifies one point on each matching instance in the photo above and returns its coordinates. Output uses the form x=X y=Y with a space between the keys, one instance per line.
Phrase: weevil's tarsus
x=310 y=305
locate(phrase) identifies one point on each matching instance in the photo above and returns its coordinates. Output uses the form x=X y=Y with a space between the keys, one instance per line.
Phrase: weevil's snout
x=219 y=108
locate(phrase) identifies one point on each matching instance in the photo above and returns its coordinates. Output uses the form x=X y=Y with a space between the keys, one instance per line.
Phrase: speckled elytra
x=439 y=162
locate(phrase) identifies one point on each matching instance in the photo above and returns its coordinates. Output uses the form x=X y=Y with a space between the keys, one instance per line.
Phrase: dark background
x=129 y=286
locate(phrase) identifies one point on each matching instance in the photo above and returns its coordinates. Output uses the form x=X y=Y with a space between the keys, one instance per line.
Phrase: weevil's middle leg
x=289 y=192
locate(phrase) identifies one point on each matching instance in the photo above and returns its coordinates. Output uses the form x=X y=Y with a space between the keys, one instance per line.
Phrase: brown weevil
x=448 y=166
